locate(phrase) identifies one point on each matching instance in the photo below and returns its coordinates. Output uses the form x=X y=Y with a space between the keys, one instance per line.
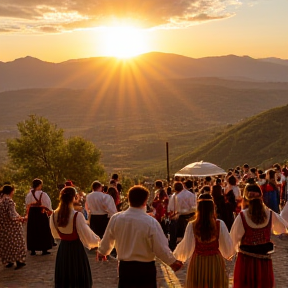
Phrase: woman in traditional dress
x=271 y=194
x=207 y=240
x=12 y=244
x=160 y=204
x=38 y=206
x=250 y=235
x=72 y=267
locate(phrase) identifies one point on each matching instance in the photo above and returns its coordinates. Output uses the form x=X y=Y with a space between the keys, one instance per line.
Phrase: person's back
x=250 y=234
x=72 y=268
x=138 y=238
x=100 y=207
x=205 y=243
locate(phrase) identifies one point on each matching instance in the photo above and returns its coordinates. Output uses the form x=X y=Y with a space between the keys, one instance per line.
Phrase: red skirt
x=252 y=272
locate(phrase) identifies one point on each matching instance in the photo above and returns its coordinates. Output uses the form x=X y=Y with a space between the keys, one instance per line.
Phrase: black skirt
x=72 y=269
x=98 y=224
x=39 y=237
x=135 y=274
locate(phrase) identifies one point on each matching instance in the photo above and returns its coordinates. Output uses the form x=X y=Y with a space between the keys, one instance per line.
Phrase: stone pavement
x=39 y=271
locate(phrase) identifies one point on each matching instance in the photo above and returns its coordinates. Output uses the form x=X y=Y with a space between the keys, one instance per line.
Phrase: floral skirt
x=206 y=272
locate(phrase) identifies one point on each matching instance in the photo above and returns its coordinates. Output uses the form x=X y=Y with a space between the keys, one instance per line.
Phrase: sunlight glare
x=124 y=42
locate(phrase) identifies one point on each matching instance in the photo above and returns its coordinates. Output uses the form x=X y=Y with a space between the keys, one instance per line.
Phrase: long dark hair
x=112 y=191
x=256 y=210
x=67 y=195
x=205 y=223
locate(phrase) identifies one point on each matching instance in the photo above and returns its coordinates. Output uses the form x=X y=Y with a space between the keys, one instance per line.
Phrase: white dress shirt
x=45 y=199
x=88 y=238
x=99 y=203
x=183 y=202
x=137 y=237
x=238 y=231
x=186 y=247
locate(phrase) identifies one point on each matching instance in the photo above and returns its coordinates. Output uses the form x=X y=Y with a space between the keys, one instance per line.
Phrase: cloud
x=55 y=16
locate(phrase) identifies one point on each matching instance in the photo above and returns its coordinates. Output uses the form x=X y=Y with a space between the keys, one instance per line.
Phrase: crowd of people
x=196 y=220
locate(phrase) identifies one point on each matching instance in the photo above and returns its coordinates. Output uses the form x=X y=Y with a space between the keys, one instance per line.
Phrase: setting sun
x=124 y=42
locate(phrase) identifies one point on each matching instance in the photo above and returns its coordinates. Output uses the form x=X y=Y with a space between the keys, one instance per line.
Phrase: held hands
x=176 y=265
x=100 y=257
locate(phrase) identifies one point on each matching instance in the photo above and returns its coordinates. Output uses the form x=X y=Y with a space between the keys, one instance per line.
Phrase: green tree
x=42 y=151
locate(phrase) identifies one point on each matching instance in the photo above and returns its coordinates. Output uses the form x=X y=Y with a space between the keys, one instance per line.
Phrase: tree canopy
x=41 y=151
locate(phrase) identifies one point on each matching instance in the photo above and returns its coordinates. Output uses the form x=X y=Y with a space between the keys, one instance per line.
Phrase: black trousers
x=135 y=274
x=98 y=224
x=177 y=229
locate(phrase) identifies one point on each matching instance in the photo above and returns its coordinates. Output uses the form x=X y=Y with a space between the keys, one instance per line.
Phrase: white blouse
x=45 y=199
x=186 y=247
x=86 y=235
x=284 y=213
x=238 y=231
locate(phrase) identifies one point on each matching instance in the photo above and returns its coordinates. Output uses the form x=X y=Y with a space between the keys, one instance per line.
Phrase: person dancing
x=38 y=209
x=250 y=235
x=12 y=244
x=72 y=267
x=207 y=240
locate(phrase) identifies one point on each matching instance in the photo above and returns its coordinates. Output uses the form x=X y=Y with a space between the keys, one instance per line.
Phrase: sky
x=56 y=31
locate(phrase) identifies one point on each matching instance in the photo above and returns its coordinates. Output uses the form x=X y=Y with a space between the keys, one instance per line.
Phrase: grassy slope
x=261 y=141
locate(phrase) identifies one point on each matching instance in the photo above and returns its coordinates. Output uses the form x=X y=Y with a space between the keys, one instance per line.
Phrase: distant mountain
x=101 y=72
x=260 y=141
x=275 y=60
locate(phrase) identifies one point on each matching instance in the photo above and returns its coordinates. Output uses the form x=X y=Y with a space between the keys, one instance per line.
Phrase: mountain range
x=91 y=73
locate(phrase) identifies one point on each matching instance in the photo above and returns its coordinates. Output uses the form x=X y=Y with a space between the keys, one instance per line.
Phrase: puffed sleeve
x=86 y=235
x=46 y=201
x=52 y=227
x=225 y=242
x=278 y=224
x=12 y=211
x=237 y=232
x=186 y=247
x=284 y=213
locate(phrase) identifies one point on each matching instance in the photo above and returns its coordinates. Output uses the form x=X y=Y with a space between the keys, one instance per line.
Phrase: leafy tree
x=42 y=151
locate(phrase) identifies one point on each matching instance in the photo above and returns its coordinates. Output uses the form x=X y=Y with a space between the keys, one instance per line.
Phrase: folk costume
x=39 y=237
x=138 y=238
x=12 y=244
x=207 y=267
x=100 y=207
x=253 y=268
x=183 y=206
x=72 y=267
x=271 y=196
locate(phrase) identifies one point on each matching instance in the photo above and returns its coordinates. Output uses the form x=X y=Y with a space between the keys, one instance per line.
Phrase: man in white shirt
x=138 y=239
x=100 y=207
x=182 y=205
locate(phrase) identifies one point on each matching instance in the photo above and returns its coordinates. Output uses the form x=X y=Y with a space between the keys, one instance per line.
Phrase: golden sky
x=60 y=30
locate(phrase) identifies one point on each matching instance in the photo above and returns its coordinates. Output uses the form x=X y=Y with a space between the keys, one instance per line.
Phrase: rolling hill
x=260 y=140
x=131 y=124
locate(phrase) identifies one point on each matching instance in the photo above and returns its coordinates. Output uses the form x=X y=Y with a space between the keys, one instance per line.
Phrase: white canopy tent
x=201 y=169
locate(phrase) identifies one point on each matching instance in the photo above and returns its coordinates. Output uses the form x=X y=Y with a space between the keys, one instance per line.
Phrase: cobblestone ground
x=39 y=271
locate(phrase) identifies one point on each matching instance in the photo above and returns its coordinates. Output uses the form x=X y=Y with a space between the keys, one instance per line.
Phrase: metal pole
x=167 y=160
